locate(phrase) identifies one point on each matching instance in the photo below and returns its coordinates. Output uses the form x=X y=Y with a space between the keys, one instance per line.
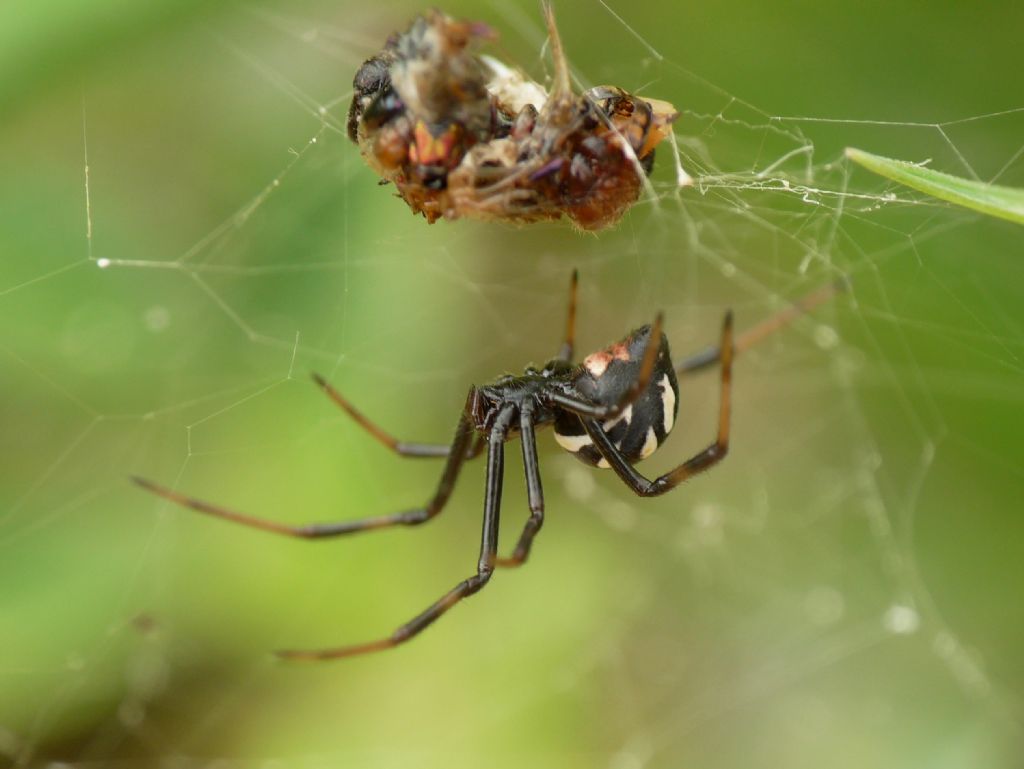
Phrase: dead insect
x=461 y=134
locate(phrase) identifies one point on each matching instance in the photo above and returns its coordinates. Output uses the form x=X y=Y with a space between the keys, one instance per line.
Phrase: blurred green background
x=843 y=591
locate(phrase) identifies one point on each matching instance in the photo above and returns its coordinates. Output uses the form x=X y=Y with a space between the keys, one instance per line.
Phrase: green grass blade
x=991 y=199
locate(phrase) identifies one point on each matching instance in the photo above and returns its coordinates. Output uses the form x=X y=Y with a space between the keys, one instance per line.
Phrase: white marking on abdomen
x=573 y=443
x=603 y=464
x=668 y=403
x=626 y=416
x=650 y=445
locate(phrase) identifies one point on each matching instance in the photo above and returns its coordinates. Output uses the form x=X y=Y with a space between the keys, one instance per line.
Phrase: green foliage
x=842 y=592
x=991 y=199
x=52 y=43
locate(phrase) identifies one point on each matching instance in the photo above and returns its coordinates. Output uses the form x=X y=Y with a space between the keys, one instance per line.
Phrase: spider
x=610 y=411
x=460 y=134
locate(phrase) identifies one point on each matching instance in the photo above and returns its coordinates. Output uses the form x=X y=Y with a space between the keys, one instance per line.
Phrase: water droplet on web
x=103 y=263
x=901 y=620
x=826 y=337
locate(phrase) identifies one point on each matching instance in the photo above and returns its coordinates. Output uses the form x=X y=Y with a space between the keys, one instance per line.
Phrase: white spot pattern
x=626 y=416
x=572 y=443
x=650 y=444
x=668 y=403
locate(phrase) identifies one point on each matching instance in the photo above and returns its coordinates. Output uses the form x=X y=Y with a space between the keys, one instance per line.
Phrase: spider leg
x=698 y=463
x=587 y=410
x=402 y=448
x=469 y=586
x=709 y=356
x=566 y=350
x=456 y=457
x=534 y=490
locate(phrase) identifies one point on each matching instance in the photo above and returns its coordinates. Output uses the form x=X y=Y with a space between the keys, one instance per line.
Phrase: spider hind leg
x=461 y=449
x=703 y=460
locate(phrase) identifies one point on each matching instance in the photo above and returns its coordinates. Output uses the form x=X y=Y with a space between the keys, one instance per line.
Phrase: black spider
x=615 y=408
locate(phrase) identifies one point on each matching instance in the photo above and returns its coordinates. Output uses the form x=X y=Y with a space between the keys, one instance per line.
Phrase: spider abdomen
x=603 y=378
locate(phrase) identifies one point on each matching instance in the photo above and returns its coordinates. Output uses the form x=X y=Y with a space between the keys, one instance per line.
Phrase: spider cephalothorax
x=460 y=134
x=604 y=379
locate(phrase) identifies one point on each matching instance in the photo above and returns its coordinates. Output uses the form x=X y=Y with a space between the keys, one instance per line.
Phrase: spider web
x=197 y=234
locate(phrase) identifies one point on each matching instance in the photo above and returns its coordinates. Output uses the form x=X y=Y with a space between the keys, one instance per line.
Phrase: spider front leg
x=459 y=451
x=698 y=463
x=466 y=588
x=534 y=490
